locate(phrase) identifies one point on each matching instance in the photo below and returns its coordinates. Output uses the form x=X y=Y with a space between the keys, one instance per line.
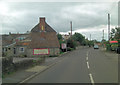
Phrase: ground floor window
x=21 y=49
x=14 y=50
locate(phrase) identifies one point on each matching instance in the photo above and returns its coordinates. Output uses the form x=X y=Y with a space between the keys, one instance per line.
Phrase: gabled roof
x=8 y=39
x=17 y=35
x=47 y=28
x=22 y=43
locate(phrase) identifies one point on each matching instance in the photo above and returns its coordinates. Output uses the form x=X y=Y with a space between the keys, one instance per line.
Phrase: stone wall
x=30 y=54
x=8 y=66
x=54 y=51
x=20 y=53
x=8 y=51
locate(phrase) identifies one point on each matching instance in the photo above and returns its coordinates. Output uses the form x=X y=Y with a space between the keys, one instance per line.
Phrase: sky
x=88 y=17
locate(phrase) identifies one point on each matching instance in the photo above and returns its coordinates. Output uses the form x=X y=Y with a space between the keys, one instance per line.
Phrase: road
x=84 y=65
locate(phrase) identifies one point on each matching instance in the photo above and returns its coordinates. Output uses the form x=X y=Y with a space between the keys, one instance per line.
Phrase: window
x=5 y=49
x=22 y=49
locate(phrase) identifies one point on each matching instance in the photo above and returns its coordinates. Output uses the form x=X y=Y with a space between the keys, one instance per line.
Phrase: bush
x=71 y=43
x=108 y=47
x=53 y=55
x=70 y=49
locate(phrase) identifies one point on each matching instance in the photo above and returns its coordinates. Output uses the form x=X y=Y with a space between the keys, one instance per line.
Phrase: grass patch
x=8 y=73
x=61 y=52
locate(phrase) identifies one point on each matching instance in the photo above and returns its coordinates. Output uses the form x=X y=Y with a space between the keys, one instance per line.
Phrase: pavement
x=112 y=55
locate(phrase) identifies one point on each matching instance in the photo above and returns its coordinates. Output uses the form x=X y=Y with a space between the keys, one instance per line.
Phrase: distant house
x=65 y=37
x=41 y=41
x=9 y=42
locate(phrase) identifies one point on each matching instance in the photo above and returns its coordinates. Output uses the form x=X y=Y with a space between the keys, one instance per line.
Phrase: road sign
x=64 y=45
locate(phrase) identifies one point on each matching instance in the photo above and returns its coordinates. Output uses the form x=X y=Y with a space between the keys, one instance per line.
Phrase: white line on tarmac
x=88 y=65
x=87 y=54
x=87 y=58
x=91 y=79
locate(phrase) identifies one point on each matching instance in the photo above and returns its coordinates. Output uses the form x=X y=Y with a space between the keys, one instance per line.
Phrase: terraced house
x=41 y=41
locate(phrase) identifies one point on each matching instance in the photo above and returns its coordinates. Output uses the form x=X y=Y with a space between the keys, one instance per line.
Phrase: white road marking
x=87 y=58
x=90 y=75
x=87 y=54
x=91 y=79
x=88 y=65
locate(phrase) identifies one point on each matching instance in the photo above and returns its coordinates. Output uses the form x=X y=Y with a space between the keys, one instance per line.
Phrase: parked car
x=96 y=47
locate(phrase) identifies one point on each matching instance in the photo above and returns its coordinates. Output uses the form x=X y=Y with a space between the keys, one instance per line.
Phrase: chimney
x=42 y=24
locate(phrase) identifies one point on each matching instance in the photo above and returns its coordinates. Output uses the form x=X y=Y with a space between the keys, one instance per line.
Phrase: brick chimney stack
x=42 y=24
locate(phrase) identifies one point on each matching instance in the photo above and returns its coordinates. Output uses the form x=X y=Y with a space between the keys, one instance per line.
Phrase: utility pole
x=71 y=27
x=103 y=34
x=90 y=37
x=108 y=26
x=119 y=28
x=103 y=39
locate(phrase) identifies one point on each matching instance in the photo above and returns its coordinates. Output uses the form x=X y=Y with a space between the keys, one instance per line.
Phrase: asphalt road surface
x=84 y=65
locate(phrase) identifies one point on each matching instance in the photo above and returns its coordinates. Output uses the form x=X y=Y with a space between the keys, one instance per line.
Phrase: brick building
x=43 y=40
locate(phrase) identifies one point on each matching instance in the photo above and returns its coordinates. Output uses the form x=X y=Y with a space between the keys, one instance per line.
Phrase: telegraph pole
x=71 y=27
x=108 y=26
x=103 y=39
x=103 y=34
x=119 y=34
x=90 y=37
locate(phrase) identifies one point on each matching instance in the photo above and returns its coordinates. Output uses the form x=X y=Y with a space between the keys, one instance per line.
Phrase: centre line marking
x=88 y=65
x=91 y=78
x=87 y=54
x=87 y=58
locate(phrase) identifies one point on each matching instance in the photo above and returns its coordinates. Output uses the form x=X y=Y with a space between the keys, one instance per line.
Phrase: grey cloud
x=58 y=15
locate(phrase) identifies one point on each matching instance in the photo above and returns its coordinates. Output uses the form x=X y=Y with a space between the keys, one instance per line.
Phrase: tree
x=71 y=43
x=59 y=36
x=78 y=37
x=117 y=34
x=113 y=31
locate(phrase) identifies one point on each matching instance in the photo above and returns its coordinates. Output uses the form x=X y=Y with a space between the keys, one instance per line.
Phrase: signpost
x=64 y=45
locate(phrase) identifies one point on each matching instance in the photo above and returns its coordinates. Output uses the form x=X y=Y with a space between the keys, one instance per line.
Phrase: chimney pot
x=42 y=19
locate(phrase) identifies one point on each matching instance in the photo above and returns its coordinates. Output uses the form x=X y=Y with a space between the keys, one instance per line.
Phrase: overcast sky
x=87 y=17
